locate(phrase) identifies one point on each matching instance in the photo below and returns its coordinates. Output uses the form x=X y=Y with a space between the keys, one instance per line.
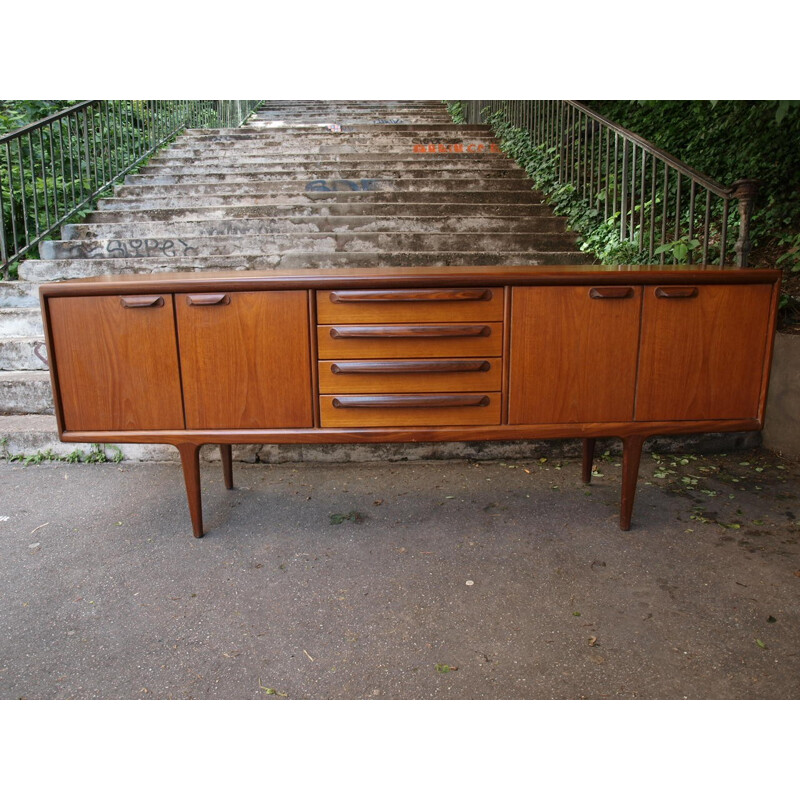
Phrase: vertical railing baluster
x=664 y=207
x=724 y=235
x=653 y=195
x=642 y=201
x=692 y=191
x=678 y=208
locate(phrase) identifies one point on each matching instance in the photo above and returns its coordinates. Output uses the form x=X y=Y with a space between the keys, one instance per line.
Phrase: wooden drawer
x=408 y=410
x=410 y=375
x=410 y=305
x=410 y=341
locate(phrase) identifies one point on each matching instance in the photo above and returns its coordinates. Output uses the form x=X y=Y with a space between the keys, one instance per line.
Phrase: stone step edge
x=34 y=438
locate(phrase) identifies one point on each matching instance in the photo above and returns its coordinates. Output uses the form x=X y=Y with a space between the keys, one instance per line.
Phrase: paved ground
x=428 y=580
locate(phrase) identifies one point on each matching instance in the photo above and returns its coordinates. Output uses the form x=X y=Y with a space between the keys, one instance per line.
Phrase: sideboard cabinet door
x=245 y=359
x=702 y=353
x=116 y=361
x=573 y=353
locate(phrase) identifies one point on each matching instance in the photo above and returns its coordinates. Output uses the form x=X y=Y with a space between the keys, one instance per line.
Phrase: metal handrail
x=658 y=200
x=55 y=167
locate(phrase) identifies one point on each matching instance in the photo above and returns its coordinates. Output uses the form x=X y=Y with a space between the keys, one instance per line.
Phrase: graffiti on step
x=40 y=351
x=131 y=248
x=395 y=121
x=341 y=185
x=457 y=148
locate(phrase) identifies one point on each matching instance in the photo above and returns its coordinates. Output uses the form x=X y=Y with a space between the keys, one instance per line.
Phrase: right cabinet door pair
x=637 y=353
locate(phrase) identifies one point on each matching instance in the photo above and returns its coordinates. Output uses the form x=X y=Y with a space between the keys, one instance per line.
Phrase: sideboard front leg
x=190 y=460
x=226 y=452
x=631 y=456
x=588 y=457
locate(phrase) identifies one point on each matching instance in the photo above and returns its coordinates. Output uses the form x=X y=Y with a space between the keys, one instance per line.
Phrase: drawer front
x=404 y=410
x=433 y=340
x=410 y=305
x=410 y=375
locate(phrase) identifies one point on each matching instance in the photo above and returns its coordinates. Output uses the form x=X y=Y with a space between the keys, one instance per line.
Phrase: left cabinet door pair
x=236 y=360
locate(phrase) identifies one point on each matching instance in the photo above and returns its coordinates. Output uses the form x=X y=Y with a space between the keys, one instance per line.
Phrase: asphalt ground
x=427 y=580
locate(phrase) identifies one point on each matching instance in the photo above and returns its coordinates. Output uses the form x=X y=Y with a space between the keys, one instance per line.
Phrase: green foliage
x=791 y=258
x=728 y=140
x=598 y=236
x=456 y=110
x=96 y=455
x=679 y=250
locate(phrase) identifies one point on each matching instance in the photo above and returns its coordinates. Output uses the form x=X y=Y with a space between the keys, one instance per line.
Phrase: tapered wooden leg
x=631 y=456
x=226 y=452
x=588 y=457
x=190 y=460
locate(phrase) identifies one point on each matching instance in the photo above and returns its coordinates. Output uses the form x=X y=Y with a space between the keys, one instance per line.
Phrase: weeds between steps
x=96 y=455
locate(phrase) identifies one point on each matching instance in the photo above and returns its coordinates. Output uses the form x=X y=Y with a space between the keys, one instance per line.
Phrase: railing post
x=745 y=192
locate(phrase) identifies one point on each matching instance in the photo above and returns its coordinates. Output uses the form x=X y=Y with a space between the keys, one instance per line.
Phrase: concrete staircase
x=303 y=184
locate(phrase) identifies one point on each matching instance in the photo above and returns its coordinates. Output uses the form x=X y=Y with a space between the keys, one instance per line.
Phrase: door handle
x=141 y=301
x=675 y=292
x=610 y=292
x=208 y=299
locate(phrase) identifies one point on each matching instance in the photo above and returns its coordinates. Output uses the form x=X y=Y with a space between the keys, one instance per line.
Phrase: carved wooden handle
x=208 y=299
x=360 y=367
x=410 y=295
x=142 y=301
x=409 y=331
x=610 y=292
x=675 y=292
x=411 y=401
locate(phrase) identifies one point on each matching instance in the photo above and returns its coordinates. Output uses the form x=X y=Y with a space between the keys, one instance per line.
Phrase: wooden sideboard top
x=395 y=277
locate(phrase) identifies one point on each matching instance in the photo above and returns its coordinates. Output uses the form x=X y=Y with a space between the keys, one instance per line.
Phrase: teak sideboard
x=410 y=355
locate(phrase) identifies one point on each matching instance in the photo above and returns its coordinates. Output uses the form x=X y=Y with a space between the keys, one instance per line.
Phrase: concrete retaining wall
x=782 y=429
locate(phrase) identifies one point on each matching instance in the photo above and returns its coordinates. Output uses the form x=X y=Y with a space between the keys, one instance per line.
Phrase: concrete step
x=195 y=175
x=314 y=198
x=63 y=269
x=368 y=185
x=241 y=137
x=19 y=294
x=36 y=436
x=219 y=160
x=363 y=160
x=311 y=224
x=25 y=321
x=308 y=242
x=321 y=168
x=22 y=353
x=344 y=120
x=311 y=150
x=25 y=392
x=213 y=134
x=321 y=210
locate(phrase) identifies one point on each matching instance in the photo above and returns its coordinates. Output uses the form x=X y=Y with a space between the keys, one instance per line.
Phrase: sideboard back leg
x=226 y=453
x=588 y=457
x=631 y=456
x=190 y=460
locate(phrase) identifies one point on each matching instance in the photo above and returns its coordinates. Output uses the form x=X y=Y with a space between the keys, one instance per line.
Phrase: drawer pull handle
x=371 y=367
x=610 y=292
x=676 y=292
x=208 y=299
x=411 y=401
x=410 y=295
x=409 y=331
x=142 y=301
